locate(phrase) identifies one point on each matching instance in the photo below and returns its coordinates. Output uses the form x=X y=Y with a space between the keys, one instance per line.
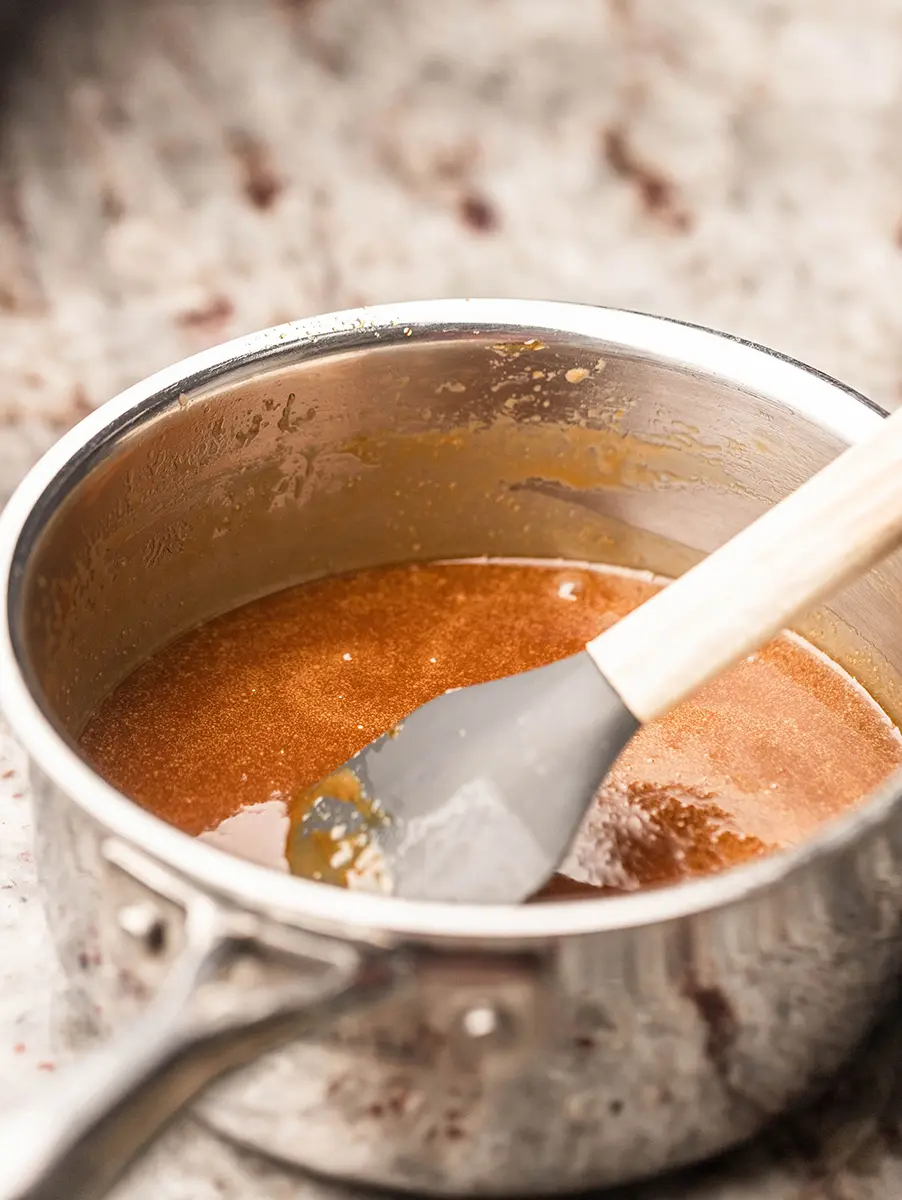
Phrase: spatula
x=483 y=789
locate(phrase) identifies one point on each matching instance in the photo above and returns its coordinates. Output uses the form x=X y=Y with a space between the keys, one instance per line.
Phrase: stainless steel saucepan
x=443 y=1049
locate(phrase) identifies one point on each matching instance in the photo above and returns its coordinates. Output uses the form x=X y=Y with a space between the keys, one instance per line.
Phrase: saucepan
x=441 y=1049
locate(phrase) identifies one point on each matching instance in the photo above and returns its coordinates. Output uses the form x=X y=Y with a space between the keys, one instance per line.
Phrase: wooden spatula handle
x=836 y=525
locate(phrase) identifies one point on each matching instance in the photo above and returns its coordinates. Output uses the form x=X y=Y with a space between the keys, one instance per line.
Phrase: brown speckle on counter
x=111 y=204
x=217 y=311
x=719 y=1019
x=260 y=181
x=478 y=213
x=79 y=404
x=659 y=195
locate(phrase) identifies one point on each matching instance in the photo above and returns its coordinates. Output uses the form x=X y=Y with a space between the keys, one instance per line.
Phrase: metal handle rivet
x=484 y=1021
x=144 y=923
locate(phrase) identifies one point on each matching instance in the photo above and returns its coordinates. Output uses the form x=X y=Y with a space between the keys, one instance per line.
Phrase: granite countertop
x=174 y=172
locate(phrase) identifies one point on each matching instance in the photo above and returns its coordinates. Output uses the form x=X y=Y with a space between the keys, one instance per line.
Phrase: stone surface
x=175 y=172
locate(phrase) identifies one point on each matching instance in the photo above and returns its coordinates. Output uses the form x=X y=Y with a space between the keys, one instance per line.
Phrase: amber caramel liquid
x=217 y=732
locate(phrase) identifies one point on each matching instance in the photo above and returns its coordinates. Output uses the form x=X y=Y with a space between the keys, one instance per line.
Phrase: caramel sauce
x=225 y=732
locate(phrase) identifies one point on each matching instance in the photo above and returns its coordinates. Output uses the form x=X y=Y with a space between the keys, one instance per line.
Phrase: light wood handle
x=832 y=528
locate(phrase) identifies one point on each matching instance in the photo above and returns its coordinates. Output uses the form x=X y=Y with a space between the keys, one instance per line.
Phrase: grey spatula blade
x=484 y=785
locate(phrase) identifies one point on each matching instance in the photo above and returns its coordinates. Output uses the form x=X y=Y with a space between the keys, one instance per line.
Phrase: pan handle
x=229 y=998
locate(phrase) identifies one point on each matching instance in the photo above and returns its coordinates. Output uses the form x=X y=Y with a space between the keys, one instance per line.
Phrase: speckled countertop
x=174 y=172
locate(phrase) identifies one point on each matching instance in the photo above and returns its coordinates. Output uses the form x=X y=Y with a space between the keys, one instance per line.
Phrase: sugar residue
x=332 y=835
